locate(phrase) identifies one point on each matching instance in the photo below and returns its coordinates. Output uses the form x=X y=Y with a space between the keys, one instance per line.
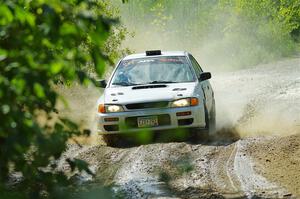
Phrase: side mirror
x=204 y=76
x=101 y=83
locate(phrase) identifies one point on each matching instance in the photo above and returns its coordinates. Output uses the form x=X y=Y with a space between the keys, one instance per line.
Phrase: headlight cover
x=185 y=102
x=112 y=108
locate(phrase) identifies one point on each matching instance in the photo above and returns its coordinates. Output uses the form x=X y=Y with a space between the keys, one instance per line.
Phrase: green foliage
x=41 y=42
x=232 y=33
x=113 y=44
x=258 y=31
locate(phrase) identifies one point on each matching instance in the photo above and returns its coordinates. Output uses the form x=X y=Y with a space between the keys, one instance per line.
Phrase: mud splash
x=264 y=100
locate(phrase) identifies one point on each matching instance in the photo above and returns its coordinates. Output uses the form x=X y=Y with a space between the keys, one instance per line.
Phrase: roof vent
x=153 y=52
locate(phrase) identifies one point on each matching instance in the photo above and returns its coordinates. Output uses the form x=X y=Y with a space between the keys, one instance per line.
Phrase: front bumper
x=195 y=120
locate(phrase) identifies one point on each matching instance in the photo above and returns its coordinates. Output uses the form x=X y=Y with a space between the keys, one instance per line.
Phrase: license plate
x=147 y=121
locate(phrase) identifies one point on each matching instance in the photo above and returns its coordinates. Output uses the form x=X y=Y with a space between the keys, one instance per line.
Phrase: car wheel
x=210 y=120
x=111 y=140
x=202 y=135
x=198 y=135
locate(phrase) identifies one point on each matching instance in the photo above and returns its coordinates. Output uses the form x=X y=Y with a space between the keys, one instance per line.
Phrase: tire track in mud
x=252 y=183
x=220 y=170
x=233 y=175
x=229 y=168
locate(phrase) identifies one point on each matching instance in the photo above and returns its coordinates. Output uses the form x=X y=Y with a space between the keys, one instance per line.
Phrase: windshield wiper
x=134 y=84
x=124 y=84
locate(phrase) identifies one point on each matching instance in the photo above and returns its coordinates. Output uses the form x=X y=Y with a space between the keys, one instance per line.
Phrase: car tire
x=212 y=120
x=111 y=140
x=198 y=135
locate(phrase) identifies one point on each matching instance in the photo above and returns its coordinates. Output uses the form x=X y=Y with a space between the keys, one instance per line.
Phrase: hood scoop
x=148 y=86
x=179 y=89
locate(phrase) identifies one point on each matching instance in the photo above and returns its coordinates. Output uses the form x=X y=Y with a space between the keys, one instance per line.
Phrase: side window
x=196 y=66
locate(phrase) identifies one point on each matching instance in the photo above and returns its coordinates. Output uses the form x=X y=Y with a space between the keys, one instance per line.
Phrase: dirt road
x=261 y=105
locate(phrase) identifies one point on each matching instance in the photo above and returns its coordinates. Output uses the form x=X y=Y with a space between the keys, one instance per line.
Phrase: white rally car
x=156 y=91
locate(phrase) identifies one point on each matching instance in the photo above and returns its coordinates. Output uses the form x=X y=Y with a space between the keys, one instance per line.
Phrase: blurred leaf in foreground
x=42 y=42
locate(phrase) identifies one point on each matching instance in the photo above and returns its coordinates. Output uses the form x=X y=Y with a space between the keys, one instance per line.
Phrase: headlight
x=185 y=102
x=113 y=108
x=110 y=108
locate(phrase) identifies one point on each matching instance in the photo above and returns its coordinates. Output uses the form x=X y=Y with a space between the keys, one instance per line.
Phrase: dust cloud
x=264 y=100
x=81 y=108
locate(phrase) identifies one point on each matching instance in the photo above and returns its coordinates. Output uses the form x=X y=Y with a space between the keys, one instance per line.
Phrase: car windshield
x=153 y=70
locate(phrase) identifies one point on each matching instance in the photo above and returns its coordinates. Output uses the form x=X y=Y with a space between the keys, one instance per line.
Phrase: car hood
x=137 y=94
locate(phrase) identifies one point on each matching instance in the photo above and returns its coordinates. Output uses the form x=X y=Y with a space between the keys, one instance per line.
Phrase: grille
x=163 y=120
x=161 y=104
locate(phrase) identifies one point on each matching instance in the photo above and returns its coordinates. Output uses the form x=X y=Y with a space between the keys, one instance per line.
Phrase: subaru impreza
x=156 y=91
